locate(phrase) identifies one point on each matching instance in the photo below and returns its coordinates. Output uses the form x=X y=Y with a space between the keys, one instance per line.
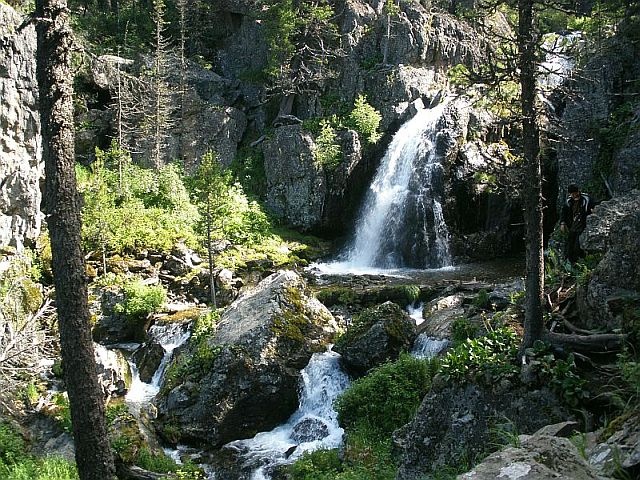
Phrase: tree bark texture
x=527 y=43
x=62 y=208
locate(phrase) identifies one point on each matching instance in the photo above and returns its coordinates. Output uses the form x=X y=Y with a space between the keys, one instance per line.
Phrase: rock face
x=380 y=334
x=537 y=457
x=612 y=230
x=250 y=380
x=21 y=165
x=296 y=184
x=455 y=422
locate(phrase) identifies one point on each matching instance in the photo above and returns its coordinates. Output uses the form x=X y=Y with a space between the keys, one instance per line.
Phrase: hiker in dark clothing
x=574 y=219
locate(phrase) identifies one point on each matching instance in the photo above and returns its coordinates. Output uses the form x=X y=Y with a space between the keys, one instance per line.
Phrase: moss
x=388 y=312
x=293 y=320
x=183 y=316
x=337 y=296
x=32 y=297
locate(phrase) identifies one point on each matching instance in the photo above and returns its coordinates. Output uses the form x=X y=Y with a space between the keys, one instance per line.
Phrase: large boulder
x=536 y=457
x=614 y=286
x=379 y=334
x=244 y=378
x=455 y=422
x=21 y=167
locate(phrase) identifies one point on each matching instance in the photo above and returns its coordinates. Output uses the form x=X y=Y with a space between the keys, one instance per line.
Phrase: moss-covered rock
x=378 y=334
x=242 y=377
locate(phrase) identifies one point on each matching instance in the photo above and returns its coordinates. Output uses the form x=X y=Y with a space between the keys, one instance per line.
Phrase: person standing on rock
x=574 y=220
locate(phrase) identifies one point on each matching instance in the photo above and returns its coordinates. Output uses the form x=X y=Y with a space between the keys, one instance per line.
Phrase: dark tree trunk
x=527 y=43
x=62 y=207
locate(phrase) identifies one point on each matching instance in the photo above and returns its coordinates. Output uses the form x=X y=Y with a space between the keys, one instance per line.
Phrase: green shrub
x=328 y=152
x=50 y=468
x=365 y=120
x=140 y=300
x=128 y=207
x=493 y=354
x=62 y=411
x=462 y=330
x=12 y=445
x=386 y=398
x=481 y=300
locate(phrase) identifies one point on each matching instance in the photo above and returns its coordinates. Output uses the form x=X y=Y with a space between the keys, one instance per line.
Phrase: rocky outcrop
x=244 y=378
x=21 y=167
x=204 y=121
x=296 y=184
x=456 y=422
x=614 y=286
x=540 y=456
x=379 y=334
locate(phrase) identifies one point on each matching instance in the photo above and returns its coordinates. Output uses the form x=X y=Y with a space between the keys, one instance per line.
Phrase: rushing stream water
x=314 y=425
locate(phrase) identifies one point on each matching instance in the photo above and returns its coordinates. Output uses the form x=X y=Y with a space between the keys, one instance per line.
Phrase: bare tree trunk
x=62 y=207
x=212 y=281
x=533 y=321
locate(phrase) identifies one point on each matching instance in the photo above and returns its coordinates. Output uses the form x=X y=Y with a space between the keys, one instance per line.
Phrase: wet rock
x=439 y=315
x=113 y=370
x=379 y=334
x=309 y=429
x=148 y=358
x=249 y=379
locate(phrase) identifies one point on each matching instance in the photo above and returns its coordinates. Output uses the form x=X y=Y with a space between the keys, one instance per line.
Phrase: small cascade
x=428 y=347
x=416 y=312
x=401 y=223
x=169 y=336
x=559 y=60
x=313 y=426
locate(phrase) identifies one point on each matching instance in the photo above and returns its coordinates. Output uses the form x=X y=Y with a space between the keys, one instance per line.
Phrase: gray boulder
x=536 y=457
x=379 y=334
x=244 y=378
x=21 y=168
x=455 y=422
x=621 y=451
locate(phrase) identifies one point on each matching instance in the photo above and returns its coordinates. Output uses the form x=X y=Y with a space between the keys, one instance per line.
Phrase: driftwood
x=598 y=343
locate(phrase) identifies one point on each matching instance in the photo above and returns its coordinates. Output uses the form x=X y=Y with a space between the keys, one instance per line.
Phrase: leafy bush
x=328 y=152
x=135 y=208
x=386 y=398
x=462 y=330
x=493 y=354
x=140 y=300
x=50 y=468
x=12 y=446
x=365 y=120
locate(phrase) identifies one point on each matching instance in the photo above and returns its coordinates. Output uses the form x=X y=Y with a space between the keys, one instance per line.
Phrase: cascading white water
x=559 y=60
x=428 y=347
x=313 y=426
x=401 y=223
x=170 y=337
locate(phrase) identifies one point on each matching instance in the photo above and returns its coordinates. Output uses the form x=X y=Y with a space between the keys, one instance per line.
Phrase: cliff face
x=21 y=167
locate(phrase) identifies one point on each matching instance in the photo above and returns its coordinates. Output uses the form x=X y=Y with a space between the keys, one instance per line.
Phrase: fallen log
x=598 y=343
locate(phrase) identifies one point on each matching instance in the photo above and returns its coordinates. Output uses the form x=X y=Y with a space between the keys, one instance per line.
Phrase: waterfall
x=401 y=223
x=313 y=426
x=169 y=336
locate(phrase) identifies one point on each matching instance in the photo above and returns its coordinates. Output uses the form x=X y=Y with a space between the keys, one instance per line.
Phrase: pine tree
x=62 y=208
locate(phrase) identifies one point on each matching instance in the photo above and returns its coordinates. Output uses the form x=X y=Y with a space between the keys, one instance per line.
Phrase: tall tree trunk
x=527 y=42
x=62 y=207
x=212 y=278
